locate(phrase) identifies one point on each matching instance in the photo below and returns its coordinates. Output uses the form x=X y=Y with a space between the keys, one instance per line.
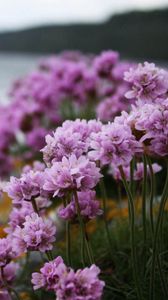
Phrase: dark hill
x=134 y=34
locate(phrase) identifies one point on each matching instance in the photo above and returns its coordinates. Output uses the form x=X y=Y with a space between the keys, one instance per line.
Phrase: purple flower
x=36 y=138
x=50 y=275
x=9 y=274
x=105 y=62
x=6 y=251
x=83 y=284
x=109 y=108
x=149 y=83
x=36 y=234
x=115 y=144
x=37 y=166
x=148 y=123
x=4 y=295
x=71 y=174
x=71 y=138
x=18 y=215
x=68 y=284
x=89 y=207
x=28 y=186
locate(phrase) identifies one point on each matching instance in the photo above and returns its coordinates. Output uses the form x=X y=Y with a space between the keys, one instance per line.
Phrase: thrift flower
x=89 y=207
x=71 y=174
x=36 y=234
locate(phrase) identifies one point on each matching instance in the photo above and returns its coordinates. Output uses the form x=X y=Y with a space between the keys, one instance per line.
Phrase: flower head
x=115 y=144
x=28 y=186
x=6 y=251
x=82 y=284
x=149 y=83
x=71 y=174
x=68 y=284
x=9 y=274
x=35 y=234
x=71 y=138
x=50 y=275
x=89 y=207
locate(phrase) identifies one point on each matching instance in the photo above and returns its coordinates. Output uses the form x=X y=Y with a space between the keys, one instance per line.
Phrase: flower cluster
x=148 y=116
x=36 y=234
x=62 y=87
x=89 y=207
x=9 y=274
x=149 y=83
x=71 y=138
x=68 y=284
x=27 y=187
x=71 y=174
x=114 y=144
x=76 y=155
x=7 y=252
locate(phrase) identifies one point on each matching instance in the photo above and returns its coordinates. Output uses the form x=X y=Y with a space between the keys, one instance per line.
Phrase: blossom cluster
x=148 y=116
x=89 y=207
x=63 y=86
x=68 y=284
x=76 y=156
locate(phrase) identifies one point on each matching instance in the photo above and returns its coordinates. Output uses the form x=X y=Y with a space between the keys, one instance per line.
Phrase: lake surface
x=13 y=66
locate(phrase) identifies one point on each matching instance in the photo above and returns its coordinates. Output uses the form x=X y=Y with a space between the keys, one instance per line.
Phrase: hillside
x=134 y=34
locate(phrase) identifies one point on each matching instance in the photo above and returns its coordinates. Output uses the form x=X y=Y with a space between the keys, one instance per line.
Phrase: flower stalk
x=132 y=232
x=156 y=235
x=104 y=198
x=84 y=241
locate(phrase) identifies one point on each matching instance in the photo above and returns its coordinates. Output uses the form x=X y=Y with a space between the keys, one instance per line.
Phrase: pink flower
x=149 y=83
x=71 y=174
x=68 y=284
x=105 y=62
x=82 y=284
x=6 y=251
x=50 y=275
x=71 y=138
x=89 y=207
x=9 y=274
x=28 y=186
x=36 y=234
x=115 y=144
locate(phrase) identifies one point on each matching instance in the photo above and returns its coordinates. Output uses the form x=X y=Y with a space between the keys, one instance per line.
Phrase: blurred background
x=30 y=29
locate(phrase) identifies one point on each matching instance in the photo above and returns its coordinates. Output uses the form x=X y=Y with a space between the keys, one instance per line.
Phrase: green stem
x=68 y=234
x=132 y=232
x=49 y=255
x=35 y=205
x=152 y=193
x=156 y=235
x=132 y=182
x=104 y=196
x=88 y=245
x=68 y=242
x=82 y=228
x=82 y=239
x=144 y=192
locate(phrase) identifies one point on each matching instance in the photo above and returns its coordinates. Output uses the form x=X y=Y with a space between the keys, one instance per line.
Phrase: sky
x=16 y=14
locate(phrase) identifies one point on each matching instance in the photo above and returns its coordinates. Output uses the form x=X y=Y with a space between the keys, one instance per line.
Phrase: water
x=13 y=66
